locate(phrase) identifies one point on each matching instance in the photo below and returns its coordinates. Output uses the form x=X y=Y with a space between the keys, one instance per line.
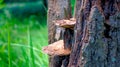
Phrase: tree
x=56 y=11
x=95 y=39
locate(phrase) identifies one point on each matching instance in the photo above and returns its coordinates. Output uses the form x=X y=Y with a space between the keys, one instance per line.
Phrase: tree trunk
x=57 y=10
x=95 y=40
x=97 y=35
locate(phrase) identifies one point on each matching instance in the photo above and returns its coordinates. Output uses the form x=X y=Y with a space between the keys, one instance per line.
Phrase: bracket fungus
x=66 y=23
x=56 y=48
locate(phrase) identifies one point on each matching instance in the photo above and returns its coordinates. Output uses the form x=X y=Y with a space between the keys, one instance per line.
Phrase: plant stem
x=9 y=46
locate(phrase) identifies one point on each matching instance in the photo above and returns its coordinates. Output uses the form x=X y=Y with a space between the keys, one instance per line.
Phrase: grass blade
x=9 y=46
x=31 y=50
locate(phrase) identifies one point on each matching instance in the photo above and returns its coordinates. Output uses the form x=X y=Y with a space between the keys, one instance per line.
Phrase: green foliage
x=1 y=4
x=21 y=43
x=1 y=1
x=23 y=10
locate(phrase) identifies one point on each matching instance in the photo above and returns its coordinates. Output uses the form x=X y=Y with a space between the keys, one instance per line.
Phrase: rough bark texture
x=97 y=35
x=57 y=10
x=95 y=40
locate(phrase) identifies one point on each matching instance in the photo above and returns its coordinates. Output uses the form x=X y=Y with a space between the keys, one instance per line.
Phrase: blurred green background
x=23 y=32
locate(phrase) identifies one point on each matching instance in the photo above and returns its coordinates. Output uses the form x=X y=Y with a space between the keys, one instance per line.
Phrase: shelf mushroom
x=66 y=23
x=57 y=48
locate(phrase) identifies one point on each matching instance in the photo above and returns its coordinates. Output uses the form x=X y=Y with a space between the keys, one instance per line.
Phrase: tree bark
x=95 y=40
x=57 y=10
x=97 y=35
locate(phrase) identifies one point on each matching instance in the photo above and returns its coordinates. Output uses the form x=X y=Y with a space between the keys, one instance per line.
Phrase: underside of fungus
x=56 y=48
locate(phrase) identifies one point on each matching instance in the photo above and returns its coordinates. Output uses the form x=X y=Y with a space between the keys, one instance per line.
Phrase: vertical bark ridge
x=79 y=34
x=77 y=46
x=77 y=7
